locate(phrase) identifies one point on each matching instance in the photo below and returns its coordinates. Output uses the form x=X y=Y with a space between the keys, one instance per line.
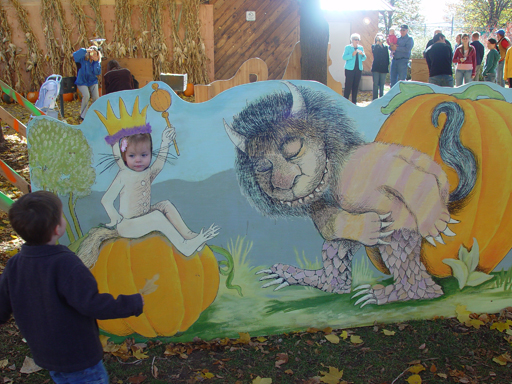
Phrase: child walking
x=136 y=216
x=54 y=297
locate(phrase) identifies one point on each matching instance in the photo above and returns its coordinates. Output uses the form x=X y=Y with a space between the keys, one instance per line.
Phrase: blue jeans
x=463 y=76
x=93 y=375
x=379 y=79
x=490 y=77
x=398 y=70
x=441 y=80
x=499 y=73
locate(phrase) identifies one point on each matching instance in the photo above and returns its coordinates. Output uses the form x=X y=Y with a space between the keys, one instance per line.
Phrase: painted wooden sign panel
x=279 y=205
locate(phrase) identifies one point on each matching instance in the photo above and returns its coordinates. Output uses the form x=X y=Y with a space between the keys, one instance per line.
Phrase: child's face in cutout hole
x=138 y=156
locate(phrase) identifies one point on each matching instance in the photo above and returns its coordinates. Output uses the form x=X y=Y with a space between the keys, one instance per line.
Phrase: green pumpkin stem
x=229 y=269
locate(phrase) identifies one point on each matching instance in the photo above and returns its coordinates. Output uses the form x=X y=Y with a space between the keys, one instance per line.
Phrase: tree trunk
x=314 y=38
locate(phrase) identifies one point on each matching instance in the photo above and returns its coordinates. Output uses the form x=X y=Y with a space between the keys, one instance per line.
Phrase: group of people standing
x=398 y=48
x=468 y=59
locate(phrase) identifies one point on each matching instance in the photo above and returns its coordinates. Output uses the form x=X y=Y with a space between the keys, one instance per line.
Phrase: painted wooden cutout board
x=315 y=212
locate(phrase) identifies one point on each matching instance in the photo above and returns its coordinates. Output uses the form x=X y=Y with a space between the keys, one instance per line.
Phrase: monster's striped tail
x=452 y=151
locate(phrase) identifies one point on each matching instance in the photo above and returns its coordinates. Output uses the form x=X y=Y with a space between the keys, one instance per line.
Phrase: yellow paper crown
x=125 y=121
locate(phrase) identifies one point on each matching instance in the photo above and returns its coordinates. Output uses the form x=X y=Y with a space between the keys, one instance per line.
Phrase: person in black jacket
x=439 y=61
x=480 y=50
x=380 y=65
x=117 y=78
x=54 y=297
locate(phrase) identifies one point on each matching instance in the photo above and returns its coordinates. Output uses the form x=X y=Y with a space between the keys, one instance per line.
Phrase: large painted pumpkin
x=185 y=285
x=487 y=217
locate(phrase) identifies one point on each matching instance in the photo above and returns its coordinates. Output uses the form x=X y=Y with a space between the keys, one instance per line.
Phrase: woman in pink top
x=465 y=60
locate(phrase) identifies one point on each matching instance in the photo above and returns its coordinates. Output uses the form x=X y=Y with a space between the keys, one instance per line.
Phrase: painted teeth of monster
x=301 y=201
x=317 y=190
x=314 y=195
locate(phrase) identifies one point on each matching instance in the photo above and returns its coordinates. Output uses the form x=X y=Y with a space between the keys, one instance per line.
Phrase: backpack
x=48 y=93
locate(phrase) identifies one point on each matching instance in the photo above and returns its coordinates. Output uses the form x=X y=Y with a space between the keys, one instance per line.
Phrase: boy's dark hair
x=35 y=216
x=492 y=41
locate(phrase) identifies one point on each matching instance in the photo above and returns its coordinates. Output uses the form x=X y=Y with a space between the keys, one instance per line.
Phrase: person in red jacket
x=465 y=59
x=502 y=46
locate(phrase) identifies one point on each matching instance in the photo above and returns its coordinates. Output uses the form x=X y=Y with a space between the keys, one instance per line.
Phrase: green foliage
x=406 y=12
x=362 y=273
x=482 y=15
x=504 y=279
x=60 y=159
x=304 y=262
x=464 y=269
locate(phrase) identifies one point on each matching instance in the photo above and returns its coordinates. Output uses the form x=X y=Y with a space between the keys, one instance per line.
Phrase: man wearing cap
x=502 y=46
x=402 y=53
x=439 y=60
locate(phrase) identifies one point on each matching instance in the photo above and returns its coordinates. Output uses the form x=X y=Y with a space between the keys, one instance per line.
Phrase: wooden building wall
x=271 y=37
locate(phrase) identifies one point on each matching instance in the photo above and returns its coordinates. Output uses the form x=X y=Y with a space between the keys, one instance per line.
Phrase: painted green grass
x=263 y=311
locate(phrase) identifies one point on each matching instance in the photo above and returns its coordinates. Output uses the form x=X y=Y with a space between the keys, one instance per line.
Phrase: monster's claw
x=453 y=221
x=385 y=234
x=275 y=282
x=364 y=298
x=448 y=232
x=284 y=284
x=383 y=217
x=385 y=224
x=364 y=286
x=263 y=271
x=363 y=292
x=439 y=239
x=430 y=239
x=382 y=242
x=271 y=276
x=371 y=301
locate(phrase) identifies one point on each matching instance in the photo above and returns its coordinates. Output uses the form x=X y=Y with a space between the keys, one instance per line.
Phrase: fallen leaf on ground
x=354 y=339
x=4 y=363
x=333 y=338
x=245 y=338
x=327 y=330
x=414 y=379
x=344 y=335
x=139 y=355
x=503 y=359
x=416 y=368
x=29 y=366
x=282 y=358
x=261 y=339
x=136 y=379
x=260 y=380
x=433 y=368
x=442 y=375
x=104 y=341
x=502 y=326
x=332 y=377
x=388 y=333
x=289 y=372
x=475 y=323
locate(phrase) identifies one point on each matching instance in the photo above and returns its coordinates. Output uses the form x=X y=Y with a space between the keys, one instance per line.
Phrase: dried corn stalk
x=158 y=48
x=8 y=53
x=34 y=63
x=80 y=22
x=143 y=41
x=53 y=55
x=66 y=48
x=189 y=54
x=123 y=41
x=99 y=31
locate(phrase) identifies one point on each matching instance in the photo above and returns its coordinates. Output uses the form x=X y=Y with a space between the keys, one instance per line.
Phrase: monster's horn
x=235 y=137
x=298 y=106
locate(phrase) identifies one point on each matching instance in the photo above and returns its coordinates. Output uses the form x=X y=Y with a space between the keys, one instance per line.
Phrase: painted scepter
x=161 y=101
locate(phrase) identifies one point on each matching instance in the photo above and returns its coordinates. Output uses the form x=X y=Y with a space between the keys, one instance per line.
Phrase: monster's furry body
x=298 y=155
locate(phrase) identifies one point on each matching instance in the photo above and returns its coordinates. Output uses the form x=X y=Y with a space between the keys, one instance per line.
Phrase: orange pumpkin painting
x=487 y=214
x=182 y=287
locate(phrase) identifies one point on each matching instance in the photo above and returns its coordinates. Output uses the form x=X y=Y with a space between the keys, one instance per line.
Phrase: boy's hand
x=142 y=297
